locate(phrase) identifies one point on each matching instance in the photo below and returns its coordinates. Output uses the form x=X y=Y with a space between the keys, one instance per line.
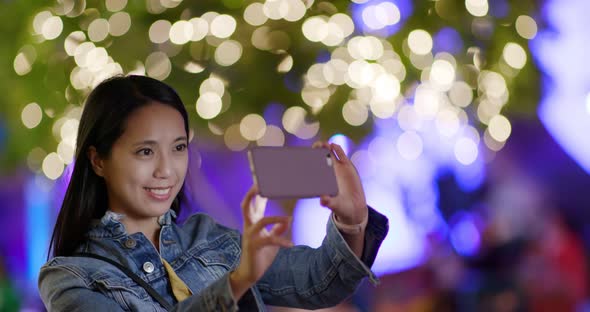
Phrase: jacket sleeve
x=304 y=277
x=63 y=290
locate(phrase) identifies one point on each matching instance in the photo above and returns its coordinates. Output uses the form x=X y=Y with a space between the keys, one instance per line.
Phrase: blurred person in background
x=532 y=214
x=117 y=223
x=533 y=210
x=537 y=202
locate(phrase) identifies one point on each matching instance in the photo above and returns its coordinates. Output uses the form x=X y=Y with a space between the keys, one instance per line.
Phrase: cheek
x=135 y=173
x=181 y=169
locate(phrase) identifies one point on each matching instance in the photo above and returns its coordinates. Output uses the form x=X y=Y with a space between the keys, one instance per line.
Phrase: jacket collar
x=110 y=224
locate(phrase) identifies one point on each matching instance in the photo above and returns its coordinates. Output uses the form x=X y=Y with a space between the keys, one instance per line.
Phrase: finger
x=339 y=152
x=318 y=144
x=279 y=229
x=246 y=205
x=258 y=226
x=273 y=240
x=257 y=208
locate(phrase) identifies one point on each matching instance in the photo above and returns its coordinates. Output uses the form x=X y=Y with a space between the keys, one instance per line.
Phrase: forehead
x=156 y=120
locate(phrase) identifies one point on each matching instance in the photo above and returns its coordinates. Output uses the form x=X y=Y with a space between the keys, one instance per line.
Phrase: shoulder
x=64 y=272
x=79 y=271
x=71 y=265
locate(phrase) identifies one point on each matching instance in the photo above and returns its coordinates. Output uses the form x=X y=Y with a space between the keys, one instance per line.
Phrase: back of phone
x=293 y=172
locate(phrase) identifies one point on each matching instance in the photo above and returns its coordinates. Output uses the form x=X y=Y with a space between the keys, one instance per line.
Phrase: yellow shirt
x=179 y=288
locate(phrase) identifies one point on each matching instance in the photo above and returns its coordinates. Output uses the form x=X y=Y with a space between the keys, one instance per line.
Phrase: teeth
x=159 y=191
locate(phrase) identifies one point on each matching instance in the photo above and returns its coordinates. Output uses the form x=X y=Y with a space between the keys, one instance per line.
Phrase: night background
x=468 y=122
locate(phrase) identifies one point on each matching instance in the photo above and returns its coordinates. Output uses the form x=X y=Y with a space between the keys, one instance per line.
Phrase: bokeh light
x=228 y=53
x=200 y=28
x=499 y=128
x=209 y=105
x=181 y=32
x=24 y=60
x=119 y=24
x=159 y=32
x=254 y=14
x=158 y=65
x=253 y=127
x=52 y=166
x=461 y=94
x=98 y=30
x=223 y=26
x=273 y=136
x=514 y=55
x=477 y=7
x=52 y=27
x=294 y=122
x=420 y=42
x=31 y=115
x=381 y=15
x=526 y=27
x=233 y=138
x=466 y=151
x=355 y=113
x=115 y=5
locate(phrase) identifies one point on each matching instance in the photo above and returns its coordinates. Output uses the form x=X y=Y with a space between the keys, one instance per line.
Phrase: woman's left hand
x=350 y=205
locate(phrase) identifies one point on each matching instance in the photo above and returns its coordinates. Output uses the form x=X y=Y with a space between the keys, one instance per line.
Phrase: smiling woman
x=145 y=167
x=109 y=171
x=117 y=247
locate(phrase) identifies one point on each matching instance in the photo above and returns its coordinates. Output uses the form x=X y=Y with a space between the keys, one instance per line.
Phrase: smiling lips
x=160 y=194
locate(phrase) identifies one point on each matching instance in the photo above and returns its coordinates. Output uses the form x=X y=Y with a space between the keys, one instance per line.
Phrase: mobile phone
x=293 y=172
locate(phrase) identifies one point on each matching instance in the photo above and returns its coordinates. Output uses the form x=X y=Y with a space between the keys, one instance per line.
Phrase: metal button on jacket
x=148 y=267
x=130 y=243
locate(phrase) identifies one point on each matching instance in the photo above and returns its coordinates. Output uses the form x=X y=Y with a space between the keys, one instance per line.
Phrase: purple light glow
x=561 y=52
x=38 y=227
x=402 y=248
x=343 y=141
x=447 y=40
x=273 y=113
x=381 y=17
x=464 y=234
x=499 y=8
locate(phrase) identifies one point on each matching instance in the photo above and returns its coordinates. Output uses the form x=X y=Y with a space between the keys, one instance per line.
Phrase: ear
x=95 y=160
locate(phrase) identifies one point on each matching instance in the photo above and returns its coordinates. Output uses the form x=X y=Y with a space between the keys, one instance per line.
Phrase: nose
x=163 y=168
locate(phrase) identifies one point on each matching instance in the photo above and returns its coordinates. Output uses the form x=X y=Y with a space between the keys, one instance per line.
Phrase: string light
x=433 y=92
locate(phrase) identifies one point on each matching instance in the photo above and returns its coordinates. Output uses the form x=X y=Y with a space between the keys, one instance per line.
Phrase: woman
x=117 y=248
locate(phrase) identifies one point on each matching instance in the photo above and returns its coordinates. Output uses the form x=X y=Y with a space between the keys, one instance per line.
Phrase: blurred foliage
x=253 y=82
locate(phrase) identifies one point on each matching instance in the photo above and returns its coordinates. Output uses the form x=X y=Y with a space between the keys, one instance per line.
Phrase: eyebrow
x=154 y=142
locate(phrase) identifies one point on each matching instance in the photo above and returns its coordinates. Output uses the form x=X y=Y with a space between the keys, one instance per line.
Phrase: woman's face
x=148 y=163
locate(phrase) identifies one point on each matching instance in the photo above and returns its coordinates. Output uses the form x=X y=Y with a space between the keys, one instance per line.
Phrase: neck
x=149 y=227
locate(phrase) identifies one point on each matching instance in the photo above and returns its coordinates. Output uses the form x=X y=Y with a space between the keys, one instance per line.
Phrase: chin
x=151 y=209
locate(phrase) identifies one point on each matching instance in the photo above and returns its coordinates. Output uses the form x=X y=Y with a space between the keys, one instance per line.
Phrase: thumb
x=328 y=201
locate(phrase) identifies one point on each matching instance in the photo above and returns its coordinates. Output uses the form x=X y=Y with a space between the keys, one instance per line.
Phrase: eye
x=181 y=147
x=144 y=152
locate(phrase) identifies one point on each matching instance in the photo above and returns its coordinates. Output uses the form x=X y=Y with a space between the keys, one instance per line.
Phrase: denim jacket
x=203 y=253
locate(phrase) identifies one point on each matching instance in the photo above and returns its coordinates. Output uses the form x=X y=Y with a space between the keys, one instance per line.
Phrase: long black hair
x=103 y=121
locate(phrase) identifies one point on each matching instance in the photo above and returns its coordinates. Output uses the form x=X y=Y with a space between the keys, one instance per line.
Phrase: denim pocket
x=212 y=260
x=125 y=292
